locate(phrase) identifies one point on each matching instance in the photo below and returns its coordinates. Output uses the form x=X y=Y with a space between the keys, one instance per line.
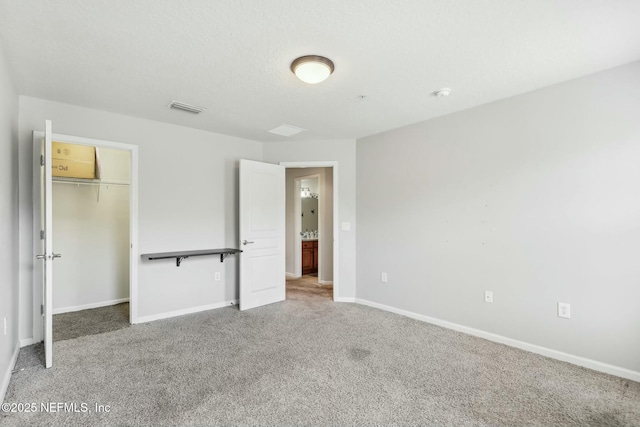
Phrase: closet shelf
x=86 y=181
x=180 y=255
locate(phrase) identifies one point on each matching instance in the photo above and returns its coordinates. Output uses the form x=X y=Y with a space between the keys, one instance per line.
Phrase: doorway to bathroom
x=310 y=232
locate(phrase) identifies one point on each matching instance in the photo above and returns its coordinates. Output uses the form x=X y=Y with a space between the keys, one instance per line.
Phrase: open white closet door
x=262 y=234
x=43 y=158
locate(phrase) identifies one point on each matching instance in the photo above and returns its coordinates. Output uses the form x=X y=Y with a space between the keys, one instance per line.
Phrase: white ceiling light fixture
x=312 y=69
x=442 y=92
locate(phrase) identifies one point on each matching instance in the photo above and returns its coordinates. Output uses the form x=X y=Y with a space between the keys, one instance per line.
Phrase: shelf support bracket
x=179 y=260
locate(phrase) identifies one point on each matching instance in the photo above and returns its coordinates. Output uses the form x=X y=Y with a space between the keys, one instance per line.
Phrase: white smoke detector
x=445 y=91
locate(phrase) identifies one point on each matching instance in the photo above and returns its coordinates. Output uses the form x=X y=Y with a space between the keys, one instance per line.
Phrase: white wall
x=115 y=165
x=535 y=197
x=343 y=152
x=324 y=187
x=8 y=223
x=91 y=230
x=188 y=186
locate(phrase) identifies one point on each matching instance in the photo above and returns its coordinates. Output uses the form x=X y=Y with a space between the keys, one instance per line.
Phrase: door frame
x=336 y=229
x=133 y=225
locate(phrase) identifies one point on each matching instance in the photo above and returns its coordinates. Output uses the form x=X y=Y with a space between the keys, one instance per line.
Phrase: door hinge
x=42 y=235
x=42 y=309
x=41 y=159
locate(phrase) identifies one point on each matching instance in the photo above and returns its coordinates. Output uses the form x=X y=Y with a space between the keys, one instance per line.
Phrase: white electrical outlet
x=564 y=310
x=383 y=278
x=217 y=276
x=488 y=296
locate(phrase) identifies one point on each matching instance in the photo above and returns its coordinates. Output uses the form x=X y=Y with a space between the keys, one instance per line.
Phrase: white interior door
x=262 y=234
x=45 y=253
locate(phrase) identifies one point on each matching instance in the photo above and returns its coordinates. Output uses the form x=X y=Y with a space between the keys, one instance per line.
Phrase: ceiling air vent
x=185 y=107
x=286 y=130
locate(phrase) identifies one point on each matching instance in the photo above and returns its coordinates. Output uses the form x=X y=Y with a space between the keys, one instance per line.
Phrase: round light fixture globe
x=312 y=69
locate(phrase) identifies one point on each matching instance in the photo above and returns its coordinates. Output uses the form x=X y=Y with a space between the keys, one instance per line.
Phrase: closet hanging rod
x=87 y=182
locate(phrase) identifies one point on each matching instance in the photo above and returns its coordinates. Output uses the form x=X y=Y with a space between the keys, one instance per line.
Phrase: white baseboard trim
x=159 y=316
x=292 y=276
x=554 y=354
x=344 y=299
x=89 y=306
x=27 y=341
x=325 y=282
x=6 y=377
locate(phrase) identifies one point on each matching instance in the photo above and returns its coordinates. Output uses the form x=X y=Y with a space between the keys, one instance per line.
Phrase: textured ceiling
x=232 y=57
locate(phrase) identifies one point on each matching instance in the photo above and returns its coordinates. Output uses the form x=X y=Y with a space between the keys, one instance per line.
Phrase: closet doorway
x=91 y=226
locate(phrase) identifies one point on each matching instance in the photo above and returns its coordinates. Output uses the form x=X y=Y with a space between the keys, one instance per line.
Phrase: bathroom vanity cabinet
x=309 y=256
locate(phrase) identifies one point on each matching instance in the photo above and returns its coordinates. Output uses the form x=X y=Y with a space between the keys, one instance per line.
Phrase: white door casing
x=262 y=234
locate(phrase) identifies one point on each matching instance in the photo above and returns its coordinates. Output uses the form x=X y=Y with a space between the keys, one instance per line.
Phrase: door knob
x=45 y=256
x=246 y=242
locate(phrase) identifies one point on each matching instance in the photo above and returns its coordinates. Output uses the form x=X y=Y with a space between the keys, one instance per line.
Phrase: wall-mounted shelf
x=180 y=255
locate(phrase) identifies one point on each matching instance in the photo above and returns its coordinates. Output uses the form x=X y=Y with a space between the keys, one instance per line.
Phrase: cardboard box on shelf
x=73 y=160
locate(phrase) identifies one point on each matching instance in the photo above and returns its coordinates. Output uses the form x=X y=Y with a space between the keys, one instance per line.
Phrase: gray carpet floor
x=302 y=362
x=76 y=324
